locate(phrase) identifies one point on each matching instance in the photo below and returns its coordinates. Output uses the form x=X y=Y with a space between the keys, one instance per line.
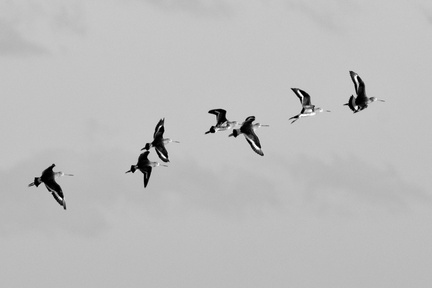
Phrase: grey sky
x=338 y=200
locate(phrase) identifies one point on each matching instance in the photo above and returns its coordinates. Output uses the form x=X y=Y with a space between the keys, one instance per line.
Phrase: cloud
x=25 y=209
x=328 y=14
x=349 y=183
x=36 y=27
x=196 y=7
x=100 y=192
x=186 y=185
x=12 y=42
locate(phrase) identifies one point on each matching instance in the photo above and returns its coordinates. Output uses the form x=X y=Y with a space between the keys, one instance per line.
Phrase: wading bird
x=145 y=166
x=308 y=109
x=356 y=104
x=222 y=122
x=159 y=142
x=48 y=178
x=247 y=129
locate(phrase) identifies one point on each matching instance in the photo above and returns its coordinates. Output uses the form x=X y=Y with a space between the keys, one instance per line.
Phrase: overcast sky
x=338 y=200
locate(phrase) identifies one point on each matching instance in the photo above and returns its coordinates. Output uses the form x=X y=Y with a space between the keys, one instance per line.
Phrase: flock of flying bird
x=247 y=128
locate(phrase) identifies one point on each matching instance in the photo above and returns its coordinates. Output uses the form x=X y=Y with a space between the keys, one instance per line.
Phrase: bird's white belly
x=307 y=114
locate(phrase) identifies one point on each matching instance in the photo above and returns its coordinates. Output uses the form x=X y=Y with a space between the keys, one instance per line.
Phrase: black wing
x=351 y=103
x=358 y=84
x=248 y=122
x=54 y=187
x=250 y=135
x=59 y=200
x=162 y=152
x=143 y=160
x=56 y=191
x=253 y=141
x=220 y=115
x=303 y=96
x=159 y=130
x=146 y=172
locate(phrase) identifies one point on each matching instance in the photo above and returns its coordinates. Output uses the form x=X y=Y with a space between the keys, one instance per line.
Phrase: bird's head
x=132 y=169
x=211 y=130
x=235 y=133
x=146 y=147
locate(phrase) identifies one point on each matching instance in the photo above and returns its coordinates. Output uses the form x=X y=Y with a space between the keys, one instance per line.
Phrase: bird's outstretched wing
x=251 y=137
x=159 y=129
x=359 y=85
x=220 y=115
x=56 y=191
x=303 y=96
x=254 y=142
x=162 y=152
x=351 y=104
x=146 y=172
x=59 y=200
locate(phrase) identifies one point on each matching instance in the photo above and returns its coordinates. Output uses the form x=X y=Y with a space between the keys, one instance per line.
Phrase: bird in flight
x=307 y=108
x=222 y=123
x=248 y=130
x=361 y=101
x=48 y=178
x=159 y=142
x=145 y=166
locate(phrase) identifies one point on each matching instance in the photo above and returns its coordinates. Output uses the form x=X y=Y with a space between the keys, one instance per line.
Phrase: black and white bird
x=247 y=129
x=48 y=178
x=307 y=108
x=360 y=101
x=159 y=142
x=145 y=166
x=222 y=123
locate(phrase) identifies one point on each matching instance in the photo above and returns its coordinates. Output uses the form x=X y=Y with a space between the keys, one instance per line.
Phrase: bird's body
x=145 y=166
x=159 y=142
x=360 y=101
x=222 y=123
x=308 y=109
x=48 y=178
x=247 y=129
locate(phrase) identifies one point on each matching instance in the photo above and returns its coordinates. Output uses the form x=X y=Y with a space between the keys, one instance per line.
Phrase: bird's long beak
x=262 y=125
x=176 y=141
x=163 y=165
x=31 y=184
x=128 y=171
x=327 y=110
x=68 y=174
x=381 y=100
